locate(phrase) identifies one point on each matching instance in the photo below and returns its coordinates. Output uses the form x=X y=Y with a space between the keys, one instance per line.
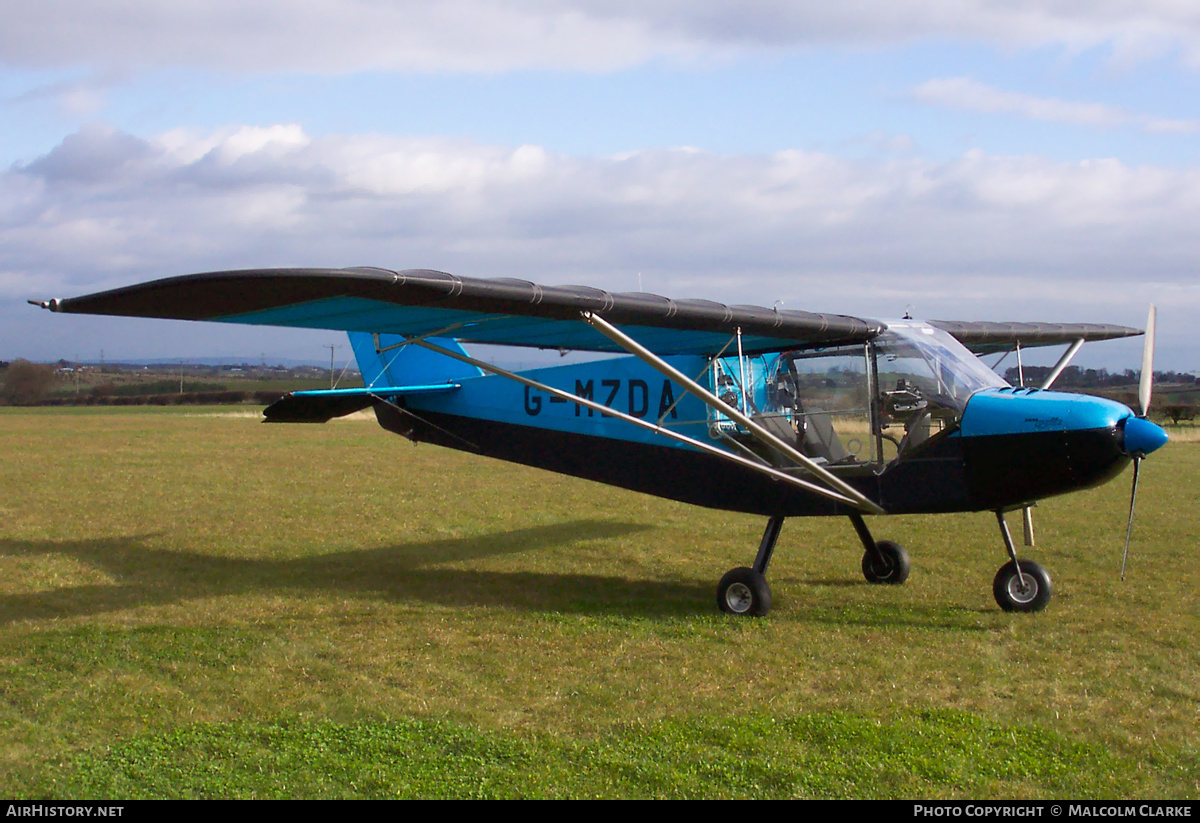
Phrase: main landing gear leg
x=744 y=591
x=1023 y=586
x=884 y=561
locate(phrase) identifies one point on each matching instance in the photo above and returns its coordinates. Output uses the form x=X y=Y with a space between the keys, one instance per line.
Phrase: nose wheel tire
x=1015 y=594
x=892 y=569
x=744 y=592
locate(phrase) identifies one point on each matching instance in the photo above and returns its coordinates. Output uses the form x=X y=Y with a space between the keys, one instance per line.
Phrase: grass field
x=196 y=605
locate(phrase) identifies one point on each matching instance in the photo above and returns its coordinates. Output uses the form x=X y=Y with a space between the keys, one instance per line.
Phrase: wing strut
x=762 y=435
x=1062 y=363
x=657 y=429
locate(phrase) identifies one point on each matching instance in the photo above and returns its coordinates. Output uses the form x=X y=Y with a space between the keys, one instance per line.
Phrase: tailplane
x=390 y=368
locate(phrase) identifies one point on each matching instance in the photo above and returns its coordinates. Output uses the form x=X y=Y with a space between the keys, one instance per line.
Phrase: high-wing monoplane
x=772 y=412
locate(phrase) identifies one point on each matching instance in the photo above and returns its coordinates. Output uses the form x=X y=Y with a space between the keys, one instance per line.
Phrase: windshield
x=931 y=366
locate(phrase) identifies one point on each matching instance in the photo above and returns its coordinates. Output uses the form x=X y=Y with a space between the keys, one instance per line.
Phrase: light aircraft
x=772 y=412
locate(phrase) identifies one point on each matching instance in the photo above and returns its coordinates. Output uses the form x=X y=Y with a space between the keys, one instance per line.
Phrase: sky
x=959 y=159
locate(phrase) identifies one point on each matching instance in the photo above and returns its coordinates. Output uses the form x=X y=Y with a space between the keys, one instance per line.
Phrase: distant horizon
x=196 y=361
x=519 y=357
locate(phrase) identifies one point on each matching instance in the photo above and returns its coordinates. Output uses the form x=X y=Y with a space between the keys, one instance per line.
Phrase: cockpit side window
x=824 y=397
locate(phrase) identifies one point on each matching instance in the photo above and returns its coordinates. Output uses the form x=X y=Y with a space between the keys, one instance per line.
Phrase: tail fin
x=392 y=364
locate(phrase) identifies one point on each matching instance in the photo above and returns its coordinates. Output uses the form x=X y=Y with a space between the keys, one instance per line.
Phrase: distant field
x=133 y=383
x=196 y=605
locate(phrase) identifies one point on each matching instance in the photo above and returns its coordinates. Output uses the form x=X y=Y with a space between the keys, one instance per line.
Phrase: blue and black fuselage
x=900 y=413
x=997 y=447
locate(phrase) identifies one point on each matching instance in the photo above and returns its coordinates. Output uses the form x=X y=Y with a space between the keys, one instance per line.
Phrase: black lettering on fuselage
x=637 y=396
x=615 y=385
x=667 y=401
x=533 y=402
x=585 y=391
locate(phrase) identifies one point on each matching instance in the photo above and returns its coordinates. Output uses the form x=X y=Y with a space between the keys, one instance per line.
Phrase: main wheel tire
x=894 y=568
x=1013 y=595
x=744 y=592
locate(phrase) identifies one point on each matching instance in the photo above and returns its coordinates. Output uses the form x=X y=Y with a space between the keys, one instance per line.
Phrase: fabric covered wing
x=496 y=311
x=987 y=337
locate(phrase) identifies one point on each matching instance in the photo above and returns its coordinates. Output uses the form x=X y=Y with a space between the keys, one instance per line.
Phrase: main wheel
x=744 y=591
x=1031 y=595
x=892 y=570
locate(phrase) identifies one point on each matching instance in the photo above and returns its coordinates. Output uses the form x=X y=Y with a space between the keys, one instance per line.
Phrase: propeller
x=1147 y=381
x=1137 y=464
x=1141 y=436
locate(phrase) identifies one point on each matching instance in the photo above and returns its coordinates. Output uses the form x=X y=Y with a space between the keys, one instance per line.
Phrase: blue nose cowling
x=1142 y=436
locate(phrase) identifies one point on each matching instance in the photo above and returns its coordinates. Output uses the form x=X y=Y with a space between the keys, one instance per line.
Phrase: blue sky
x=1018 y=161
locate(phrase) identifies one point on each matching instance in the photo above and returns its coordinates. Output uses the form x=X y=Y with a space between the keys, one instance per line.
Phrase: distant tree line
x=1076 y=377
x=158 y=387
x=25 y=383
x=30 y=384
x=1120 y=386
x=196 y=398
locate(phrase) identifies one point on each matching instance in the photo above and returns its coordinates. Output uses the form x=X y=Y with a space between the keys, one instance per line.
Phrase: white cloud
x=974 y=237
x=326 y=35
x=105 y=206
x=74 y=98
x=966 y=94
x=590 y=35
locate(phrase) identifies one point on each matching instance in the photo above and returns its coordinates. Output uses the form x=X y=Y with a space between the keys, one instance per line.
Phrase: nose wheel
x=1027 y=590
x=1020 y=586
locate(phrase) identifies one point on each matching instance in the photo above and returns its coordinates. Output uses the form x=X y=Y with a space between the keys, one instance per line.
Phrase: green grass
x=196 y=605
x=941 y=753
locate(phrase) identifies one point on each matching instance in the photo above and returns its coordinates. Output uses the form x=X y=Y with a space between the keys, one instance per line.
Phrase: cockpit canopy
x=932 y=363
x=851 y=405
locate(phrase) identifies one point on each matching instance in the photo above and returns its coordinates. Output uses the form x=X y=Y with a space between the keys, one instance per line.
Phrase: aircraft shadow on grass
x=412 y=571
x=145 y=576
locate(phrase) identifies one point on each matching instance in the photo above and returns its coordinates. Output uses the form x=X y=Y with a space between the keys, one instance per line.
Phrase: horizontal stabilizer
x=324 y=405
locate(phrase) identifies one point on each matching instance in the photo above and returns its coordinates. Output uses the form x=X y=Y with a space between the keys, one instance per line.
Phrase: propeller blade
x=1137 y=462
x=1147 y=381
